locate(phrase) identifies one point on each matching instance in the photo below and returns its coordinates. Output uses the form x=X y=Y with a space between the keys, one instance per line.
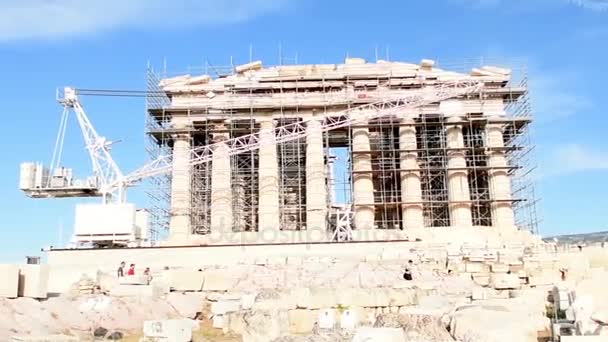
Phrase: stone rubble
x=86 y=285
x=474 y=294
x=416 y=327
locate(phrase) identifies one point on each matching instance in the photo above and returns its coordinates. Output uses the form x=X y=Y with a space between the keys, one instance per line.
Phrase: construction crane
x=91 y=221
x=109 y=183
x=58 y=181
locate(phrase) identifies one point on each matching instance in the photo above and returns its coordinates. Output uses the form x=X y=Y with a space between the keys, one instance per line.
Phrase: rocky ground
x=428 y=319
x=477 y=297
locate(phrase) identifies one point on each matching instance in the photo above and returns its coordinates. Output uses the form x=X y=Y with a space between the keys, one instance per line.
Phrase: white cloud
x=554 y=95
x=555 y=92
x=50 y=19
x=594 y=5
x=571 y=158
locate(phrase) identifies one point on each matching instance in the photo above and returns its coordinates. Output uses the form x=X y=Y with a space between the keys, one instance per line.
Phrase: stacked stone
x=86 y=285
x=499 y=273
x=305 y=308
x=542 y=270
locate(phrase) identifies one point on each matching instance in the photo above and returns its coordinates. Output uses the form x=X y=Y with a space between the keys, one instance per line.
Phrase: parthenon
x=451 y=164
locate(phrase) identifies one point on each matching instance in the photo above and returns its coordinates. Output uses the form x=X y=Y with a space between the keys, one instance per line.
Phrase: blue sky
x=106 y=44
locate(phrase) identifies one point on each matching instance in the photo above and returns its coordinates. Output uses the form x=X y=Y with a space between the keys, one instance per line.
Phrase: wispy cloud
x=573 y=158
x=51 y=19
x=555 y=92
x=594 y=5
x=555 y=96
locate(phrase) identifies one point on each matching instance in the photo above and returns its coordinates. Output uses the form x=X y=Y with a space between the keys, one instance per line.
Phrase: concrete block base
x=9 y=286
x=33 y=281
x=218 y=281
x=185 y=279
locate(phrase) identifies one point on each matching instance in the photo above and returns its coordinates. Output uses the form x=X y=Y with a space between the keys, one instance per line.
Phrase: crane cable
x=59 y=142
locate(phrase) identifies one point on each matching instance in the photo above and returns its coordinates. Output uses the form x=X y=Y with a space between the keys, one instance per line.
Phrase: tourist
x=409 y=269
x=121 y=270
x=148 y=275
x=131 y=270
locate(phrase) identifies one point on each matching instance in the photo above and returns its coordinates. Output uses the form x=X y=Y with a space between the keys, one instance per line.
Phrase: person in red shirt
x=131 y=270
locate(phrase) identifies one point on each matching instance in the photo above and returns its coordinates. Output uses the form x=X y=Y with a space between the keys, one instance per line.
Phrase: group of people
x=131 y=270
x=121 y=270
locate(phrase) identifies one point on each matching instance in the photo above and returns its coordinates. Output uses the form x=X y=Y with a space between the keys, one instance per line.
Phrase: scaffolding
x=200 y=197
x=292 y=181
x=238 y=118
x=244 y=180
x=157 y=145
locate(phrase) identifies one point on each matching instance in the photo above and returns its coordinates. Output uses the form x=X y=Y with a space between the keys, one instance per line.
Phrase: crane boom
x=39 y=182
x=382 y=108
x=104 y=166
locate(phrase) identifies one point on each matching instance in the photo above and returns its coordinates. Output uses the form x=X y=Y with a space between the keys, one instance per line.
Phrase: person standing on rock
x=409 y=270
x=148 y=275
x=563 y=273
x=121 y=270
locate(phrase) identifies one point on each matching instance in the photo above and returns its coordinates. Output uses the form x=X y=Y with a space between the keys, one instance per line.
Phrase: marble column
x=221 y=189
x=498 y=176
x=180 y=228
x=268 y=173
x=411 y=193
x=458 y=182
x=363 y=186
x=316 y=187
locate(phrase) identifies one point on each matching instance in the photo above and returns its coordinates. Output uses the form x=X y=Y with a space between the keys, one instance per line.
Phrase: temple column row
x=316 y=187
x=363 y=189
x=458 y=190
x=268 y=183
